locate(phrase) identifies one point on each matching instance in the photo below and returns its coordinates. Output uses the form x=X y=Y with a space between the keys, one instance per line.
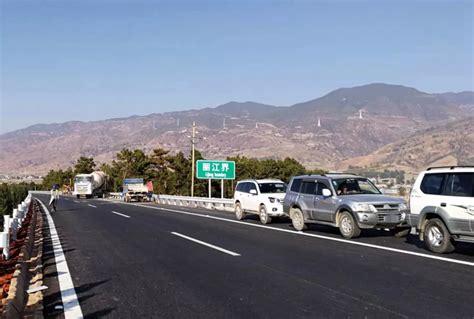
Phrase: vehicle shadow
x=466 y=249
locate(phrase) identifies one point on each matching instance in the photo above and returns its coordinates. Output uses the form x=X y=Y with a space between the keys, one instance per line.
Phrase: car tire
x=348 y=226
x=437 y=237
x=263 y=214
x=297 y=219
x=239 y=213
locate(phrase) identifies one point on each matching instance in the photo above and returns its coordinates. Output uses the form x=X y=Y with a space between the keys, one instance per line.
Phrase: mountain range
x=375 y=126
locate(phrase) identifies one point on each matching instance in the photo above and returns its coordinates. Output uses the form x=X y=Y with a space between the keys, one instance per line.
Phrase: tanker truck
x=90 y=185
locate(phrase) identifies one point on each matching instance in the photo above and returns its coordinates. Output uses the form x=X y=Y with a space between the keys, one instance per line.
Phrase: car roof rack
x=339 y=173
x=450 y=167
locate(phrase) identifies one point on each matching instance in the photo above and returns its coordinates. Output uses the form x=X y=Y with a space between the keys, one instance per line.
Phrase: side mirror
x=253 y=191
x=327 y=192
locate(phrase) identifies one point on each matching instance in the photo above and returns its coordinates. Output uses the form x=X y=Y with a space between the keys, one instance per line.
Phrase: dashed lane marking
x=345 y=241
x=123 y=215
x=206 y=244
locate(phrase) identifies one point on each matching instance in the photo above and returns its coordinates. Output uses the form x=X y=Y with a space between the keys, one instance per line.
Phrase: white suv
x=263 y=197
x=442 y=207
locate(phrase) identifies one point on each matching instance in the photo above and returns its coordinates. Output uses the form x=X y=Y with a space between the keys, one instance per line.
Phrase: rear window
x=461 y=184
x=308 y=187
x=295 y=186
x=240 y=187
x=432 y=184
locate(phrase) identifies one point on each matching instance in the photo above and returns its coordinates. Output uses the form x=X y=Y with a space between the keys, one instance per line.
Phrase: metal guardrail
x=196 y=202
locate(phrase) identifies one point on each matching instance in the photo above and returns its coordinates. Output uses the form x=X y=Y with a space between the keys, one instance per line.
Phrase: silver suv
x=346 y=201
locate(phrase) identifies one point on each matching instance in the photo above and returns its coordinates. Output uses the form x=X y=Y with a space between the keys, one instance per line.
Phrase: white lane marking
x=76 y=201
x=72 y=308
x=92 y=205
x=206 y=244
x=123 y=215
x=406 y=252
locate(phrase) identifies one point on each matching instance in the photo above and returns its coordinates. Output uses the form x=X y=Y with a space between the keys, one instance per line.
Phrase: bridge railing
x=196 y=202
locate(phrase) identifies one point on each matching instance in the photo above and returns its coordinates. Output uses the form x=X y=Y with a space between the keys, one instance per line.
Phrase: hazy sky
x=89 y=60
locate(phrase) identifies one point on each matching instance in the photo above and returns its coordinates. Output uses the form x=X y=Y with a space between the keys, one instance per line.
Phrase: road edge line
x=72 y=308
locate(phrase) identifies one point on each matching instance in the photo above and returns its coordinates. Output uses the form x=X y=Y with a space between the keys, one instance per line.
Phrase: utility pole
x=193 y=141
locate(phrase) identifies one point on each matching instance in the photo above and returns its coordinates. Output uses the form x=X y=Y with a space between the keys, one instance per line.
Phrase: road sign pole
x=192 y=158
x=209 y=188
x=222 y=188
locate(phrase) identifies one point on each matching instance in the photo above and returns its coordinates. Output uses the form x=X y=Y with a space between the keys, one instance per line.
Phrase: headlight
x=364 y=208
x=402 y=206
x=271 y=199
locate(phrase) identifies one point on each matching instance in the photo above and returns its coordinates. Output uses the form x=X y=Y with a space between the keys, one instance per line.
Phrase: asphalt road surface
x=142 y=261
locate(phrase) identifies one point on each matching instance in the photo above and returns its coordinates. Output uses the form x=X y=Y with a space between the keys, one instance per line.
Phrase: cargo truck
x=134 y=189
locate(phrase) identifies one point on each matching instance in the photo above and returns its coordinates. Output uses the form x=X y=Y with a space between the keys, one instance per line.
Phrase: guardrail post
x=14 y=224
x=20 y=211
x=5 y=243
x=6 y=223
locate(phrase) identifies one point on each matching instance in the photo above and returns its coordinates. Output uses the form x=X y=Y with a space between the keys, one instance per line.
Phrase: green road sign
x=215 y=169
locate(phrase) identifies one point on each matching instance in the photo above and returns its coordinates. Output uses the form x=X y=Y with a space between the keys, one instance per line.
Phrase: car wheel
x=348 y=226
x=437 y=237
x=239 y=213
x=264 y=217
x=297 y=219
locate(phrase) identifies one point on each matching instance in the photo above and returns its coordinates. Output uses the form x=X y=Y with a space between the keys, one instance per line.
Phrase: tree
x=84 y=165
x=11 y=195
x=58 y=177
x=131 y=163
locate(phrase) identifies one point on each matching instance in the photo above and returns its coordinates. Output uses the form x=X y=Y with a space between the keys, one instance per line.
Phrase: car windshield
x=354 y=186
x=82 y=179
x=272 y=188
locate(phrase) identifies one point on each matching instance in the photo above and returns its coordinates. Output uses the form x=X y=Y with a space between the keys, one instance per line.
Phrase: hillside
x=389 y=114
x=450 y=144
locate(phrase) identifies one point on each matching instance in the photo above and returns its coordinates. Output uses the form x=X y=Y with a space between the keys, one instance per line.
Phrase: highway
x=145 y=260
